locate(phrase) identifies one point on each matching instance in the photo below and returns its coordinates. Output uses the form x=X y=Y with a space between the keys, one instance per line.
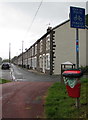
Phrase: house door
x=44 y=63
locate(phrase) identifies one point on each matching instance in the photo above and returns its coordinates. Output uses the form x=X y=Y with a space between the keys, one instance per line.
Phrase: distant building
x=57 y=46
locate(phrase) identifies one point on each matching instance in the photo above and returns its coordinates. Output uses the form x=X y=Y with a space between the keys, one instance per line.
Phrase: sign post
x=77 y=20
x=77 y=47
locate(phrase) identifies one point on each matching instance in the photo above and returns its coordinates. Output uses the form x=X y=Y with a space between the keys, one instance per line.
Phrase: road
x=20 y=74
x=5 y=74
x=25 y=96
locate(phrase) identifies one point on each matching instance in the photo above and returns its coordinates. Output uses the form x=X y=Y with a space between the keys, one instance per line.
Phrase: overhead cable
x=34 y=17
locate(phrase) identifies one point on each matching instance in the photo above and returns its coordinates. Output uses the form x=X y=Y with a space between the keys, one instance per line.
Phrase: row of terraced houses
x=54 y=48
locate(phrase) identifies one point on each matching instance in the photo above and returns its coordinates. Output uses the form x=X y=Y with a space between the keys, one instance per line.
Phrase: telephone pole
x=9 y=52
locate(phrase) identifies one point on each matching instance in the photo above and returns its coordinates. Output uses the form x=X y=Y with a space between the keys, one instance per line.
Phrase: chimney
x=49 y=29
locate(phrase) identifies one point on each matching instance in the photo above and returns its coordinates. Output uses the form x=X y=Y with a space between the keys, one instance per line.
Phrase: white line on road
x=12 y=74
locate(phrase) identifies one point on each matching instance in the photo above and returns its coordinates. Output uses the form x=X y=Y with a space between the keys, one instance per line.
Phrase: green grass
x=59 y=105
x=2 y=81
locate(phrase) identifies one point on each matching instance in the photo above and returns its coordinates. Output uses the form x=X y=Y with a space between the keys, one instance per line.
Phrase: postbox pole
x=77 y=59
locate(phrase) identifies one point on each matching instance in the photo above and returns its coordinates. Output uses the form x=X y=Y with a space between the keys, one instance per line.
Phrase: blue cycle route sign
x=77 y=17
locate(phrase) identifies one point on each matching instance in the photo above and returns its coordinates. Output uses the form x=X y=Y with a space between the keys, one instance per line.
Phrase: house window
x=35 y=60
x=35 y=49
x=25 y=62
x=32 y=51
x=41 y=46
x=41 y=61
x=29 y=62
x=48 y=42
x=48 y=61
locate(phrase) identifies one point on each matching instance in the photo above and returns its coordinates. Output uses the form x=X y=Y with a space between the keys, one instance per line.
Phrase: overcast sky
x=16 y=21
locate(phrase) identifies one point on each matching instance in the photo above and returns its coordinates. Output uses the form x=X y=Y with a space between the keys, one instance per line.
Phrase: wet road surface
x=5 y=74
x=20 y=74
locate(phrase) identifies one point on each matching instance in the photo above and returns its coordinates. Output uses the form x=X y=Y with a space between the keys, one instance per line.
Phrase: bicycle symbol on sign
x=77 y=18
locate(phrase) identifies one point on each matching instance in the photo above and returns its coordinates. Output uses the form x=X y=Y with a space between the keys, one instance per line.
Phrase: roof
x=67 y=63
x=61 y=24
x=86 y=27
x=51 y=30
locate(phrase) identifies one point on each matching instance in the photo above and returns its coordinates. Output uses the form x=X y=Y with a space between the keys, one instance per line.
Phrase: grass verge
x=2 y=81
x=59 y=105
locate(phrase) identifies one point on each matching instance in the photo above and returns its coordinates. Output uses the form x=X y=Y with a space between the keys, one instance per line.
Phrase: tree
x=6 y=60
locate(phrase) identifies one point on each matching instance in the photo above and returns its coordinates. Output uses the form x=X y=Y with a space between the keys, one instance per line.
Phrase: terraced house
x=58 y=45
x=38 y=55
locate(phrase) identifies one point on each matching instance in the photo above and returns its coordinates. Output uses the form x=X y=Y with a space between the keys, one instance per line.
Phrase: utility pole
x=27 y=56
x=22 y=53
x=9 y=52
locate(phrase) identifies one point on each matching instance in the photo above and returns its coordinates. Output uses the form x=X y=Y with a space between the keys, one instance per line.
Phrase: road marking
x=12 y=74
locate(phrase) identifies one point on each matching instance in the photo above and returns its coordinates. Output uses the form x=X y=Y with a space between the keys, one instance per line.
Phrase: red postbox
x=72 y=81
x=74 y=92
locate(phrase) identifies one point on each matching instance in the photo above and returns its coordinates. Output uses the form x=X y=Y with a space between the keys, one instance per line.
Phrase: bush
x=84 y=69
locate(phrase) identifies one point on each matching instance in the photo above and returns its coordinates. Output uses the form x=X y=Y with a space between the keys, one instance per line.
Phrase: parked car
x=5 y=66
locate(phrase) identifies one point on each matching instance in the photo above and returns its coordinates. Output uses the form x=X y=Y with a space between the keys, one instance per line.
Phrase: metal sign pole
x=77 y=20
x=77 y=59
x=77 y=47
